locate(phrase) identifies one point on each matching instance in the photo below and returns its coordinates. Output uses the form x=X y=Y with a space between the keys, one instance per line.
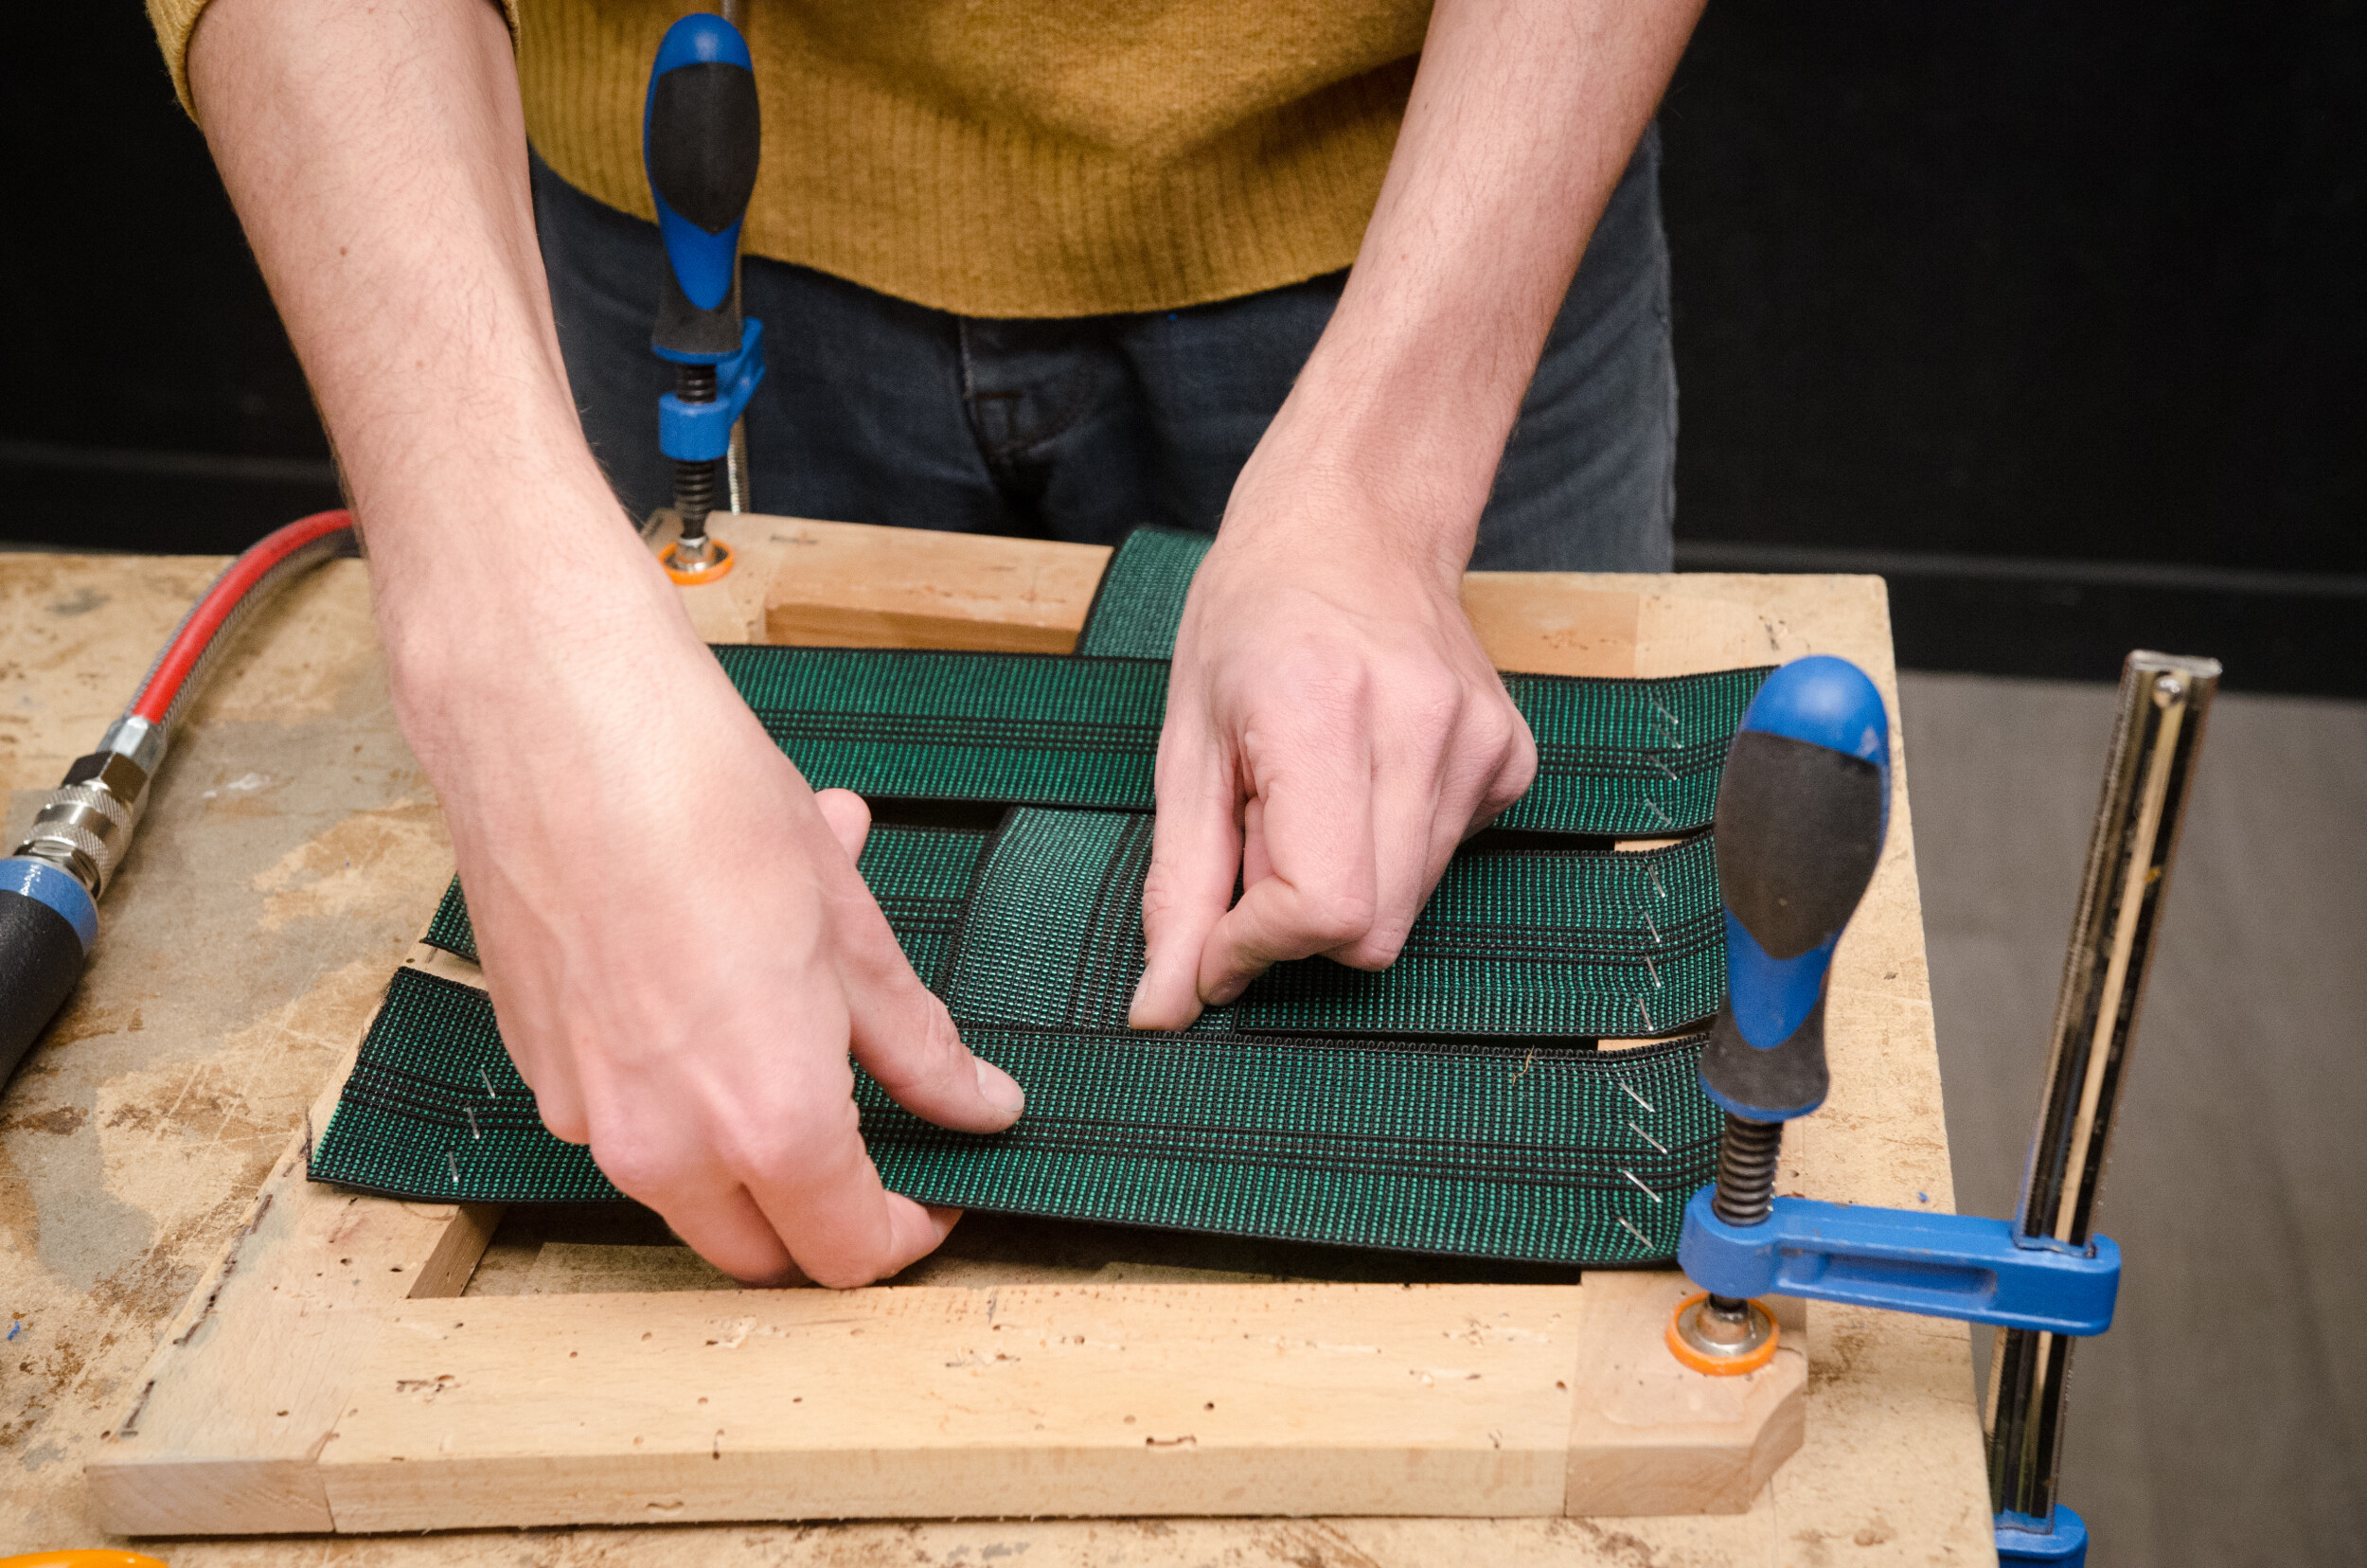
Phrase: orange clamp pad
x=714 y=571
x=1715 y=1366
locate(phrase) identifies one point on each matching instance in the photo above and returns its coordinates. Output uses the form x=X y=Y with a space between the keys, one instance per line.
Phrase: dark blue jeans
x=875 y=410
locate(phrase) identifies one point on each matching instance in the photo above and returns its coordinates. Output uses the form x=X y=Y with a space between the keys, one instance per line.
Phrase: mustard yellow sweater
x=1008 y=157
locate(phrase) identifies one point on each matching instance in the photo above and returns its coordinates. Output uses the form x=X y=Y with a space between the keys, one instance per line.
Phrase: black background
x=1999 y=301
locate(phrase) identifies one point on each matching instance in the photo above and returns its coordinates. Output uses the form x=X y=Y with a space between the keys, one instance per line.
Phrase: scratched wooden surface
x=292 y=854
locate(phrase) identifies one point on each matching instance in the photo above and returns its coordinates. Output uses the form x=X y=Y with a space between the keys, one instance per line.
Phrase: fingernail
x=1138 y=1016
x=999 y=1089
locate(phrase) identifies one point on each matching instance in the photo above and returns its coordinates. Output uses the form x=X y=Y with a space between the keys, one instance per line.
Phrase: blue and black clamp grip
x=1802 y=810
x=700 y=140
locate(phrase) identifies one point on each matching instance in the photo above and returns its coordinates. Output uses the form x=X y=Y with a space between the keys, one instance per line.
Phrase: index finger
x=1315 y=809
x=1195 y=850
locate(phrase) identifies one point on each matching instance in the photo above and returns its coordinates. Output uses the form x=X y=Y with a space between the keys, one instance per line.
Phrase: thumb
x=849 y=818
x=904 y=1038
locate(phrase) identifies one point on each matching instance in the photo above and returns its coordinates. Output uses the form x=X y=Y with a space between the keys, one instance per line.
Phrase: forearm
x=1523 y=118
x=377 y=156
x=689 y=1014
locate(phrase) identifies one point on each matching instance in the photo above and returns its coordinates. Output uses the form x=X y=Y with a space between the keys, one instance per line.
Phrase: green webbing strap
x=919 y=875
x=435 y=1110
x=1044 y=729
x=1513 y=942
x=1616 y=758
x=1472 y=1116
x=1547 y=1153
x=1140 y=600
x=1632 y=759
x=452 y=928
x=922 y=877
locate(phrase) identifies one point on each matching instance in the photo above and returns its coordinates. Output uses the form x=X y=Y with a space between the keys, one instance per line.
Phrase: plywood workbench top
x=293 y=852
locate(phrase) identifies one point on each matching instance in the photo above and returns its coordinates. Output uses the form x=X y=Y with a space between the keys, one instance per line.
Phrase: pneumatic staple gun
x=1802 y=809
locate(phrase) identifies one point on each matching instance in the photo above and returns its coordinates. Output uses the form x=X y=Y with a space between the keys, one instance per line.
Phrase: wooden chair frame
x=328 y=1374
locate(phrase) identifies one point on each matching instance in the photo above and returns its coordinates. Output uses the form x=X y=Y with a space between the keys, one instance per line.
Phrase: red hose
x=188 y=643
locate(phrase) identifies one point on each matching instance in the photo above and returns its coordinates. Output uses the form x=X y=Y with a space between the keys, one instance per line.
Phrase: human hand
x=1333 y=731
x=680 y=950
x=678 y=947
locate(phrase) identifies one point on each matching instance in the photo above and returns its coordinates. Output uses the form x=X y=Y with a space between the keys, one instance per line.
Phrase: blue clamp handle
x=1939 y=1265
x=697 y=432
x=702 y=244
x=1802 y=812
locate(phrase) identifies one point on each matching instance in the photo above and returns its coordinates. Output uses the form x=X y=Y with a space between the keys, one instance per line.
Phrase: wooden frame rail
x=329 y=1375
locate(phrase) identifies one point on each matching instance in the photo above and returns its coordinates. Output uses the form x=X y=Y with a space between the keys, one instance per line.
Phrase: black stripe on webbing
x=1580 y=943
x=1562 y=1155
x=1623 y=758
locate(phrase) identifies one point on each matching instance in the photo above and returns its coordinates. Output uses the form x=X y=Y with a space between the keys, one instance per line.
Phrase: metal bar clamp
x=1939 y=1265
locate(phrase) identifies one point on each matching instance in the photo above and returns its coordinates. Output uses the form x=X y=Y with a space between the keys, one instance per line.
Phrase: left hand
x=1333 y=731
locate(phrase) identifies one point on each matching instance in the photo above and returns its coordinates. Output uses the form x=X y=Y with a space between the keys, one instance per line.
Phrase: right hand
x=679 y=948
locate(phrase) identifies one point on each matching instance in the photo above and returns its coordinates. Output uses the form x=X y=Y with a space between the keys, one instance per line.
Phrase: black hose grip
x=41 y=958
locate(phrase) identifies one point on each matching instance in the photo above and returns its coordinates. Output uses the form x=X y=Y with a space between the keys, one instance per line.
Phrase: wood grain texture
x=1031 y=1400
x=1649 y=1436
x=848 y=585
x=445 y=1270
x=1890 y=1467
x=229 y=1415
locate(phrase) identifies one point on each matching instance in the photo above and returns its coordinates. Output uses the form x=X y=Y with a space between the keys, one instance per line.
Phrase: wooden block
x=849 y=585
x=1649 y=1436
x=1553 y=623
x=445 y=1270
x=732 y=609
x=230 y=1410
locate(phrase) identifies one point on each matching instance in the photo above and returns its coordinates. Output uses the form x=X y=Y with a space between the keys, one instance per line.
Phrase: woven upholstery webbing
x=1490 y=1139
x=922 y=877
x=1044 y=924
x=1555 y=1155
x=1140 y=603
x=1452 y=1103
x=1630 y=758
x=1521 y=942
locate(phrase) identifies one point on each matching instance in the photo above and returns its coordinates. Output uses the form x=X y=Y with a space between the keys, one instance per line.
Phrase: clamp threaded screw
x=694 y=480
x=1720 y=1333
x=1747 y=1153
